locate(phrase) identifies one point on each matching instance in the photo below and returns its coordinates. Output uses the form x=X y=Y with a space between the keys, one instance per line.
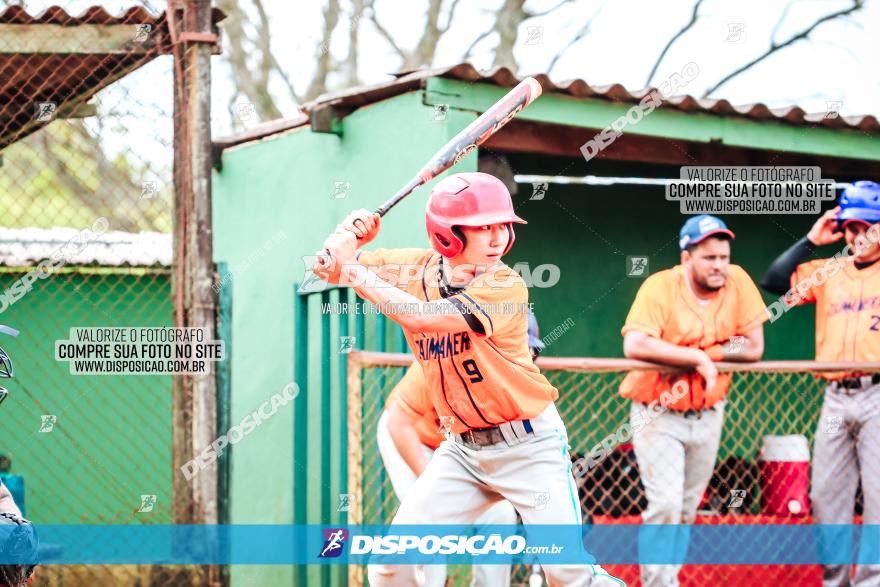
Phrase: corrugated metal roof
x=406 y=81
x=67 y=66
x=25 y=247
x=91 y=15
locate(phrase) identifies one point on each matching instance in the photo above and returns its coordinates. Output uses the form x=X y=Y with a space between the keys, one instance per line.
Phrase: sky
x=839 y=62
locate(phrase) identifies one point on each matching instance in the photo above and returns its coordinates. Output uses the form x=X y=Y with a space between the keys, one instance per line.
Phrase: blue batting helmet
x=860 y=202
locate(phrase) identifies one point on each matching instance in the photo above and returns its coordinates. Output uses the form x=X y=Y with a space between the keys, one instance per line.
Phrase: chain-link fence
x=88 y=161
x=760 y=475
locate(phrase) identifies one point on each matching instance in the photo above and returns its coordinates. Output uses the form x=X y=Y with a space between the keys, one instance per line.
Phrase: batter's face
x=484 y=245
x=707 y=263
x=856 y=235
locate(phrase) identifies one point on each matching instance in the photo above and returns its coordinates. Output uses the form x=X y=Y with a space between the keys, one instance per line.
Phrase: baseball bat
x=474 y=135
x=465 y=142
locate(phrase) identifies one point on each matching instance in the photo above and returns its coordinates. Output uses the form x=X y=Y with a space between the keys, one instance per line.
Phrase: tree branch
x=449 y=16
x=246 y=83
x=264 y=44
x=548 y=11
x=470 y=48
x=427 y=45
x=774 y=47
x=780 y=21
x=580 y=35
x=318 y=85
x=675 y=37
x=384 y=32
x=507 y=21
x=351 y=62
x=293 y=95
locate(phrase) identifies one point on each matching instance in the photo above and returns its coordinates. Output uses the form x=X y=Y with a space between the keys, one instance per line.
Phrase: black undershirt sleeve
x=777 y=279
x=472 y=321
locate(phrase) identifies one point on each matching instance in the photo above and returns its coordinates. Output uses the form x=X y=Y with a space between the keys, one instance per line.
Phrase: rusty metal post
x=202 y=312
x=195 y=405
x=182 y=408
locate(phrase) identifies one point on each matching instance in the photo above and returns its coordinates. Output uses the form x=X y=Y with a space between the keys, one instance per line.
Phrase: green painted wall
x=590 y=230
x=112 y=439
x=284 y=185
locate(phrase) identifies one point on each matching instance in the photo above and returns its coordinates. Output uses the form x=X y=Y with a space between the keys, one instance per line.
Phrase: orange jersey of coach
x=479 y=379
x=666 y=308
x=847 y=312
x=415 y=399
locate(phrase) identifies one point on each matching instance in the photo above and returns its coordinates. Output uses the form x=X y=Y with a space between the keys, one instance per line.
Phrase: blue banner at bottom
x=315 y=544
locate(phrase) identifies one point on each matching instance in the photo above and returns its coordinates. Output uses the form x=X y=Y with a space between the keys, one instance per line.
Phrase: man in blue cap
x=846 y=291
x=700 y=311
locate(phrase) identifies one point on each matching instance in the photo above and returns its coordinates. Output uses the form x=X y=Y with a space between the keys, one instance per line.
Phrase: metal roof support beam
x=327 y=119
x=83 y=39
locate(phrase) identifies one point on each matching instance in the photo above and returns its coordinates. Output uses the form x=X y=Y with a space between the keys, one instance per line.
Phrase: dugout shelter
x=354 y=148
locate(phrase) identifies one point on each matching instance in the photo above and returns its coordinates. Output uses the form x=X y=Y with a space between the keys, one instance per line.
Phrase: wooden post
x=202 y=312
x=195 y=398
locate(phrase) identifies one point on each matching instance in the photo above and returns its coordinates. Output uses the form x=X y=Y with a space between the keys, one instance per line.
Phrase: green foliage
x=62 y=176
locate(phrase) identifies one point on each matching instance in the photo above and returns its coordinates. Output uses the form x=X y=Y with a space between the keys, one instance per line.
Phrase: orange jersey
x=414 y=397
x=847 y=312
x=479 y=379
x=666 y=309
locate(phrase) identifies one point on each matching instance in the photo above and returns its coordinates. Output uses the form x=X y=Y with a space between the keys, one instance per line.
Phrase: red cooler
x=785 y=475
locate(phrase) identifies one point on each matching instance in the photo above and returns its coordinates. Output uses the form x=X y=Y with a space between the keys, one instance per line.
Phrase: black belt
x=483 y=436
x=856 y=382
x=696 y=413
x=480 y=437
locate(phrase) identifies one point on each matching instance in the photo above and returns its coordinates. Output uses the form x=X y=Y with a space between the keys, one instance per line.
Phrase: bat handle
x=401 y=194
x=422 y=177
x=412 y=184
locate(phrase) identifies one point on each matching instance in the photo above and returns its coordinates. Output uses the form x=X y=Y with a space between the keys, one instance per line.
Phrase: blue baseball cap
x=860 y=202
x=699 y=228
x=534 y=340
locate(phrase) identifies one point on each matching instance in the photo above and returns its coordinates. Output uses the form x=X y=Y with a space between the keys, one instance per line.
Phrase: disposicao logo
x=334 y=540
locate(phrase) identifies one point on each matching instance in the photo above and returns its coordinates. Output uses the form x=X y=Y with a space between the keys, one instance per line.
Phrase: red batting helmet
x=467 y=199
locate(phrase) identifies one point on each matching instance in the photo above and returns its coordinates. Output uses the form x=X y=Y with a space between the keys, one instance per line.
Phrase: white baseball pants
x=676 y=457
x=461 y=483
x=403 y=478
x=847 y=449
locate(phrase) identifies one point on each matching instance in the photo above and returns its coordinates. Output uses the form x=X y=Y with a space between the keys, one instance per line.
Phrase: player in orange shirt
x=464 y=316
x=409 y=432
x=846 y=291
x=700 y=311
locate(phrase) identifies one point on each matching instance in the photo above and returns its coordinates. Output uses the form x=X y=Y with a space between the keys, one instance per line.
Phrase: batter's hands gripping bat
x=467 y=140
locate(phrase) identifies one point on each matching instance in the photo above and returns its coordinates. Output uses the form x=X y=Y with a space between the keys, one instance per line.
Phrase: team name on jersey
x=854 y=305
x=441 y=346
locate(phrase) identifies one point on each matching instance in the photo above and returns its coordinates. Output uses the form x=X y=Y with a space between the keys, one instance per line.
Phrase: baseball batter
x=409 y=432
x=700 y=311
x=467 y=330
x=847 y=445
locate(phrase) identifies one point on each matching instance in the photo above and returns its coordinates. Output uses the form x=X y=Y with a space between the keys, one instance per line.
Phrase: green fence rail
x=326 y=328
